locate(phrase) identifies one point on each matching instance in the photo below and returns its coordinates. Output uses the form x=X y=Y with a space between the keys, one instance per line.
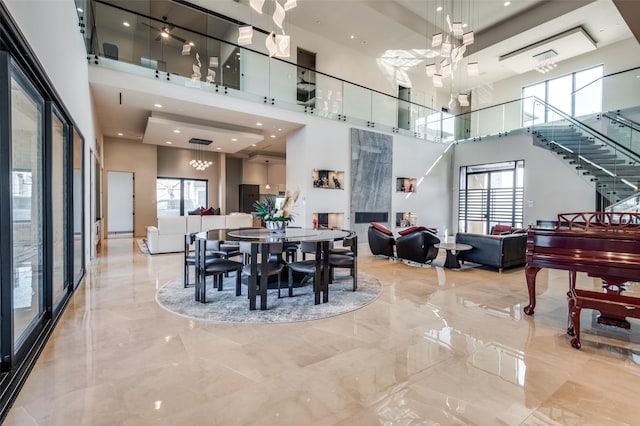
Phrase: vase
x=276 y=226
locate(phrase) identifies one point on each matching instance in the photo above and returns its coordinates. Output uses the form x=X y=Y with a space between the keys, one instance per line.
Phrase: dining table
x=261 y=240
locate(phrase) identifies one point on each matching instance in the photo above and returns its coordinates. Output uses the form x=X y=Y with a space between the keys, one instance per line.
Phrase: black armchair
x=381 y=244
x=417 y=246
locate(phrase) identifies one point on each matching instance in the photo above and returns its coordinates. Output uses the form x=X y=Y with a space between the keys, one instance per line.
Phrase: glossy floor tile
x=437 y=347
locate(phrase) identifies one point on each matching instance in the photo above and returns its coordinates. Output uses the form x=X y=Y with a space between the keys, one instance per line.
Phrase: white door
x=120 y=200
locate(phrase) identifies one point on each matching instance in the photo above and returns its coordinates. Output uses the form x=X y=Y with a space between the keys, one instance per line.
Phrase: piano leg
x=574 y=313
x=571 y=294
x=530 y=272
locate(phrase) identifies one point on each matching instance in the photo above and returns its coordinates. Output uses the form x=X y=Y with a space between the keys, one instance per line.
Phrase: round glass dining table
x=261 y=239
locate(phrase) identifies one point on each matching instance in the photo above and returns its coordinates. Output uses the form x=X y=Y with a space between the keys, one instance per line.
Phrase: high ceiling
x=506 y=39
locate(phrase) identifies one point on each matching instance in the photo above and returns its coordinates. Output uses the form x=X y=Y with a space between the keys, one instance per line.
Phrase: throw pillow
x=206 y=212
x=412 y=229
x=382 y=229
x=499 y=229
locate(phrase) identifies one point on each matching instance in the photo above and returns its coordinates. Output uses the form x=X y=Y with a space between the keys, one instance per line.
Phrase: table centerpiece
x=276 y=219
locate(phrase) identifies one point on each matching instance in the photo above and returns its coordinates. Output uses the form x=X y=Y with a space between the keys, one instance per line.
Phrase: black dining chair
x=272 y=268
x=207 y=265
x=306 y=267
x=348 y=260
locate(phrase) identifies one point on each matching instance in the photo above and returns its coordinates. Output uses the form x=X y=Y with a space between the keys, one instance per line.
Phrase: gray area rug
x=224 y=307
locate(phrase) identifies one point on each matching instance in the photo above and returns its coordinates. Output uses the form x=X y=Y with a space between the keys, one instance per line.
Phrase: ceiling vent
x=200 y=141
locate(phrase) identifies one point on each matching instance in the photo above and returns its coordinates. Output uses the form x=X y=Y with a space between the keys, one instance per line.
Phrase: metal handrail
x=593 y=132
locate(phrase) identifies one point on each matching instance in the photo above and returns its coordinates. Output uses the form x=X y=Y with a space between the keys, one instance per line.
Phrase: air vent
x=200 y=141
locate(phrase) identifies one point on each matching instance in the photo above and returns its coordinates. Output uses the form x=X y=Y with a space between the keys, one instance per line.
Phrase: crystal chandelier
x=200 y=161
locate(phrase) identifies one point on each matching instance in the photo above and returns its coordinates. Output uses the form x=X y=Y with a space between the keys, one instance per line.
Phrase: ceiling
x=506 y=39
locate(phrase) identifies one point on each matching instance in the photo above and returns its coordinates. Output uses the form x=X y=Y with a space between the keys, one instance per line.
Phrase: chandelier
x=276 y=44
x=200 y=159
x=451 y=43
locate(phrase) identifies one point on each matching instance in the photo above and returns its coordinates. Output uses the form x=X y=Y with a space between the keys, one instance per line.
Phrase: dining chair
x=306 y=267
x=347 y=261
x=211 y=261
x=272 y=268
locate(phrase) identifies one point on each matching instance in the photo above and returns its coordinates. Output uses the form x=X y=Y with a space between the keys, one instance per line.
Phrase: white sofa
x=168 y=236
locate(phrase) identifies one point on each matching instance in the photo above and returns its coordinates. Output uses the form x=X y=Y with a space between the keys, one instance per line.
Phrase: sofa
x=496 y=251
x=168 y=236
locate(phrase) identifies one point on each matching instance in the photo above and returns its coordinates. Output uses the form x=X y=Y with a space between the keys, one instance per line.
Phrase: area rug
x=224 y=307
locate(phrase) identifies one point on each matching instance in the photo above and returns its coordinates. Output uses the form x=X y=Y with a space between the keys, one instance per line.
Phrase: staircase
x=614 y=169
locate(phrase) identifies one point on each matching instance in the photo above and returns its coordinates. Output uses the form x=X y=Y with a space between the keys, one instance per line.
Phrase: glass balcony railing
x=619 y=91
x=201 y=53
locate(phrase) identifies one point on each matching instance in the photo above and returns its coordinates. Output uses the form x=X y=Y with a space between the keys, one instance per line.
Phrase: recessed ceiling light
x=168 y=142
x=176 y=131
x=234 y=140
x=126 y=24
x=157 y=105
x=507 y=3
x=218 y=148
x=258 y=124
x=253 y=144
x=120 y=134
x=279 y=129
x=352 y=36
x=191 y=43
x=164 y=34
x=464 y=25
x=273 y=136
x=227 y=66
x=439 y=9
x=80 y=10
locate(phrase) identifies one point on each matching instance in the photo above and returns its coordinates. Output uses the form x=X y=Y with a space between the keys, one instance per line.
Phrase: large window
x=491 y=194
x=177 y=197
x=27 y=111
x=576 y=94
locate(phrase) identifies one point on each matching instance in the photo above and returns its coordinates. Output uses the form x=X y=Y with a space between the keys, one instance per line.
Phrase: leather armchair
x=381 y=244
x=417 y=246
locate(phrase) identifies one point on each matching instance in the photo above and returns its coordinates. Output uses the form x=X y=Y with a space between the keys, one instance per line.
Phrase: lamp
x=276 y=44
x=267 y=186
x=451 y=42
x=199 y=162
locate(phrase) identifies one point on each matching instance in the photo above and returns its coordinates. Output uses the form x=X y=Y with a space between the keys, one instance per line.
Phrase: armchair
x=417 y=246
x=380 y=243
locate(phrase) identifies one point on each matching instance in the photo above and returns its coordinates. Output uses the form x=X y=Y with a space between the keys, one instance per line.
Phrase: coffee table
x=454 y=250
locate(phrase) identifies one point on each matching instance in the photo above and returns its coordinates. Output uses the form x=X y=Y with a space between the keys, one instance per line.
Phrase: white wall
x=324 y=144
x=550 y=185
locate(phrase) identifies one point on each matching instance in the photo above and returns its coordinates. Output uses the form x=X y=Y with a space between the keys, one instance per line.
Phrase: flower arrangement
x=268 y=211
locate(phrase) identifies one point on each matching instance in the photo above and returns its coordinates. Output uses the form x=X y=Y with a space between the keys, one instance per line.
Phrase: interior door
x=120 y=204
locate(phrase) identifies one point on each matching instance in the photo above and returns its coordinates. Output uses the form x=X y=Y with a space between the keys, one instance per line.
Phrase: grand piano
x=605 y=245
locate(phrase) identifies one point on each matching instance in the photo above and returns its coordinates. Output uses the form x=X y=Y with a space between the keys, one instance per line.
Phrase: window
x=576 y=94
x=491 y=194
x=177 y=197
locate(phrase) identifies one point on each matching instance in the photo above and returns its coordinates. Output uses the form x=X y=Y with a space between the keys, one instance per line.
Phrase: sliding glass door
x=27 y=236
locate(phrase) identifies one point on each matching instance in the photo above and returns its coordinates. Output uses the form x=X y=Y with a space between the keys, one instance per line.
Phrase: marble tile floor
x=437 y=347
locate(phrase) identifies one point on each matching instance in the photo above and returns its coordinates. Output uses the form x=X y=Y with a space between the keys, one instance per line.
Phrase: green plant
x=267 y=209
